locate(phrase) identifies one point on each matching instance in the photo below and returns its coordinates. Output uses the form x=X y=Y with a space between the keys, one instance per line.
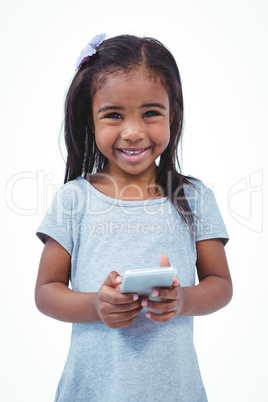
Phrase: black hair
x=125 y=53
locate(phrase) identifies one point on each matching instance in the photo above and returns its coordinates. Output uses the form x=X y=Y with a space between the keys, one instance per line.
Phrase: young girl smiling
x=125 y=205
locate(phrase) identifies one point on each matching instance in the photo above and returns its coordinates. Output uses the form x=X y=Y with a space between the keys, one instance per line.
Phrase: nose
x=133 y=134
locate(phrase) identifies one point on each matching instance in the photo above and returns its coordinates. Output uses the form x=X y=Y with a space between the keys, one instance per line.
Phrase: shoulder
x=202 y=201
x=71 y=196
x=201 y=198
x=72 y=188
x=196 y=188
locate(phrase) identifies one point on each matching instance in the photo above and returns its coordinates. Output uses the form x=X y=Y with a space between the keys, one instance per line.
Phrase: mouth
x=133 y=154
x=132 y=151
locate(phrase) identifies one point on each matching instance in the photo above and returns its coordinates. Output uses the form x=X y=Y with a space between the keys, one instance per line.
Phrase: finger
x=164 y=317
x=164 y=261
x=121 y=320
x=163 y=307
x=121 y=324
x=170 y=293
x=110 y=295
x=113 y=279
x=176 y=282
x=128 y=315
x=120 y=308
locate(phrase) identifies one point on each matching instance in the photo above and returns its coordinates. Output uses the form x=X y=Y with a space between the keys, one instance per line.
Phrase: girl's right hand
x=116 y=310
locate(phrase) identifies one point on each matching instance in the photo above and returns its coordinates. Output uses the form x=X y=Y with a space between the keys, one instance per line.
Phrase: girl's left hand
x=173 y=299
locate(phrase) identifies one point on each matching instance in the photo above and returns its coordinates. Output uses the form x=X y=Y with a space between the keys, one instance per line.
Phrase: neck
x=124 y=186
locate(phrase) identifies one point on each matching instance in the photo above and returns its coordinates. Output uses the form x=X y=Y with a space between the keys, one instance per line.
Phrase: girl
x=124 y=205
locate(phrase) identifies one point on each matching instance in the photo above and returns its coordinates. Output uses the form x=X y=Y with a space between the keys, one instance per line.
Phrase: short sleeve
x=209 y=223
x=58 y=221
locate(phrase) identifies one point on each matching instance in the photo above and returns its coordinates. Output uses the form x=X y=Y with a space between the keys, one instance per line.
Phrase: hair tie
x=90 y=49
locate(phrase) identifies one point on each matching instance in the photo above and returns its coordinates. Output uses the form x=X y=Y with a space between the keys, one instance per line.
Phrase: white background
x=221 y=50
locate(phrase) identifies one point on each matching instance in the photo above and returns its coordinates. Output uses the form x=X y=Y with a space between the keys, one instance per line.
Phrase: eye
x=151 y=113
x=113 y=115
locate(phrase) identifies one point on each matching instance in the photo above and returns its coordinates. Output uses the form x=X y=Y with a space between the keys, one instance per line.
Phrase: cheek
x=162 y=136
x=104 y=138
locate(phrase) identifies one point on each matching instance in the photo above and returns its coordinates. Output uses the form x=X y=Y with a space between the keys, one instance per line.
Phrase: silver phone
x=143 y=281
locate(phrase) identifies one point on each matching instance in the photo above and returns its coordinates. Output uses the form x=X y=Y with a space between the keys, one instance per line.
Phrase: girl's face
x=132 y=123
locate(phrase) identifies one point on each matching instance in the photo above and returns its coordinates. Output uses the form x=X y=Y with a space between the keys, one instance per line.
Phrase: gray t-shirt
x=146 y=361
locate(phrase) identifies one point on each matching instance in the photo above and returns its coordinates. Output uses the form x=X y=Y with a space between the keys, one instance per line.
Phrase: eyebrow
x=154 y=104
x=110 y=107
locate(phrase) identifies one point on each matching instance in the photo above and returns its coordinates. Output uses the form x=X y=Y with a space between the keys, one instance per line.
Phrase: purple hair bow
x=90 y=49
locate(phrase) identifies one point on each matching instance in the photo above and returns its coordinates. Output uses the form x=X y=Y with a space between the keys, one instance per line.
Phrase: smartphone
x=143 y=281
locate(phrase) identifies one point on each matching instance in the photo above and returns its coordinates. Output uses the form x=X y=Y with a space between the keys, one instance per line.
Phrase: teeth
x=131 y=152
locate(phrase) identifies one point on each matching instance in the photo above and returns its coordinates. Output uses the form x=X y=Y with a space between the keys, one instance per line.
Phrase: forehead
x=130 y=85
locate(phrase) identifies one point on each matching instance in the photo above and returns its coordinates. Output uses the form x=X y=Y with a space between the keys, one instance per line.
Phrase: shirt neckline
x=116 y=201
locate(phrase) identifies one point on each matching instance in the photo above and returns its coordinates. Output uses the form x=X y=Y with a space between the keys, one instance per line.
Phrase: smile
x=132 y=152
x=133 y=155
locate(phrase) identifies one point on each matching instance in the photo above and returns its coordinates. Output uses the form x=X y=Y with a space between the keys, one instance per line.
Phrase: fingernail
x=144 y=303
x=148 y=315
x=135 y=297
x=155 y=293
x=118 y=278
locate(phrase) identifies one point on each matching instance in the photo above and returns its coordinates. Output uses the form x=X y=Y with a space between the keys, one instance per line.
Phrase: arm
x=213 y=292
x=55 y=299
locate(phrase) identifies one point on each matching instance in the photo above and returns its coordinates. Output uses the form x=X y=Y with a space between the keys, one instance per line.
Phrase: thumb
x=164 y=261
x=113 y=279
